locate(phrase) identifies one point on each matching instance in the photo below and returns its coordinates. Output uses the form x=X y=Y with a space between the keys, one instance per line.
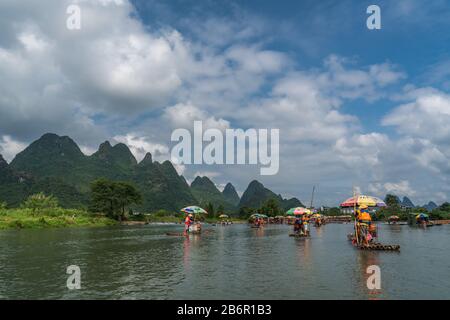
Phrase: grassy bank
x=166 y=217
x=50 y=218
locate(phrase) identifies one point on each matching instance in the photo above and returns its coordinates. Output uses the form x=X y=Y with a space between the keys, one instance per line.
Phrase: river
x=232 y=262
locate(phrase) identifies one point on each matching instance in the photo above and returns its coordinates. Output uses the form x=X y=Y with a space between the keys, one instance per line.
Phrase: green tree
x=245 y=212
x=420 y=210
x=113 y=197
x=270 y=208
x=220 y=210
x=391 y=200
x=40 y=201
x=445 y=207
x=102 y=196
x=3 y=205
x=210 y=209
x=334 y=211
x=126 y=194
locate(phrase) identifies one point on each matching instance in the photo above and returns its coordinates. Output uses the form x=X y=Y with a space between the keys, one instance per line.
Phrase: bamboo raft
x=379 y=246
x=181 y=234
x=375 y=245
x=298 y=235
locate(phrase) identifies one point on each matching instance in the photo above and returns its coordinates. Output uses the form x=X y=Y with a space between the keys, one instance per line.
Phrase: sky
x=355 y=107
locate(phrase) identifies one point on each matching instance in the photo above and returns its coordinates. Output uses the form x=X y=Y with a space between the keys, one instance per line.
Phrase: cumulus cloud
x=183 y=115
x=120 y=78
x=401 y=188
x=422 y=123
x=9 y=147
x=139 y=146
x=428 y=116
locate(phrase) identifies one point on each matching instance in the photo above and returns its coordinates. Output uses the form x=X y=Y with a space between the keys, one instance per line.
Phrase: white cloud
x=401 y=188
x=183 y=115
x=428 y=116
x=118 y=77
x=139 y=146
x=209 y=174
x=9 y=147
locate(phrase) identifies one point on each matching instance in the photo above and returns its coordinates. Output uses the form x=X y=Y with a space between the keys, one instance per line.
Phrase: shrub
x=39 y=202
x=439 y=215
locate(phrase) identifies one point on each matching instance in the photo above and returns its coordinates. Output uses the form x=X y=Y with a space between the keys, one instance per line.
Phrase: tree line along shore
x=112 y=202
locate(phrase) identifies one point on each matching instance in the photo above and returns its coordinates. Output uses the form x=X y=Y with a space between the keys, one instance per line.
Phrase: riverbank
x=61 y=218
x=155 y=219
x=51 y=218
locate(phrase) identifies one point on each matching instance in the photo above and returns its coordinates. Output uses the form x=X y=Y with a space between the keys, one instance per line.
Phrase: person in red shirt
x=187 y=223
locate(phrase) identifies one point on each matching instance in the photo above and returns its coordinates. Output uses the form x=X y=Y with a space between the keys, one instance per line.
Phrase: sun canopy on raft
x=363 y=200
x=194 y=210
x=298 y=211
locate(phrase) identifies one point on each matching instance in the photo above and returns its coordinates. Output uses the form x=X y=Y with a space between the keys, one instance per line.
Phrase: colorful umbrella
x=422 y=215
x=258 y=215
x=363 y=200
x=298 y=211
x=394 y=218
x=194 y=210
x=290 y=212
x=223 y=216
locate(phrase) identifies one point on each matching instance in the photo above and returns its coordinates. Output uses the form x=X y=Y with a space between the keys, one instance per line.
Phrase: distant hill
x=16 y=186
x=256 y=195
x=13 y=186
x=406 y=202
x=430 y=206
x=161 y=186
x=55 y=165
x=230 y=194
x=205 y=191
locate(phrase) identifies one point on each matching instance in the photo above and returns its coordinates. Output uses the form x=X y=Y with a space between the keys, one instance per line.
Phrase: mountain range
x=55 y=165
x=407 y=203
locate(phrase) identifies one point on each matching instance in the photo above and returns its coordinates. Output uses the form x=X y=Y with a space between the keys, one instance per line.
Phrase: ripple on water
x=233 y=262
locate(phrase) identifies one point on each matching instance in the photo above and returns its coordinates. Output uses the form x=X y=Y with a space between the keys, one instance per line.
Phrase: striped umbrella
x=298 y=211
x=194 y=210
x=363 y=200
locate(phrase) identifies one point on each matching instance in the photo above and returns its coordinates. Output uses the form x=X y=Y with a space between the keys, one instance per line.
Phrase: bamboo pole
x=354 y=213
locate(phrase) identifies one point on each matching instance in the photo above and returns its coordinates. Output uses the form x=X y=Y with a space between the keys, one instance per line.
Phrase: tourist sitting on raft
x=191 y=225
x=298 y=226
x=422 y=219
x=305 y=224
x=364 y=228
x=318 y=221
x=188 y=221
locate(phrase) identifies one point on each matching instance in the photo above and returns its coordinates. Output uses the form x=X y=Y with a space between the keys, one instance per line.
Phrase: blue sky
x=414 y=36
x=355 y=107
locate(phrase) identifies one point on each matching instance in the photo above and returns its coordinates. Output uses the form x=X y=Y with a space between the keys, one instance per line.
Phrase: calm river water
x=232 y=262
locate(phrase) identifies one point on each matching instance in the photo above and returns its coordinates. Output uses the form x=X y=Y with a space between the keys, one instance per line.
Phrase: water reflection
x=366 y=259
x=233 y=262
x=304 y=252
